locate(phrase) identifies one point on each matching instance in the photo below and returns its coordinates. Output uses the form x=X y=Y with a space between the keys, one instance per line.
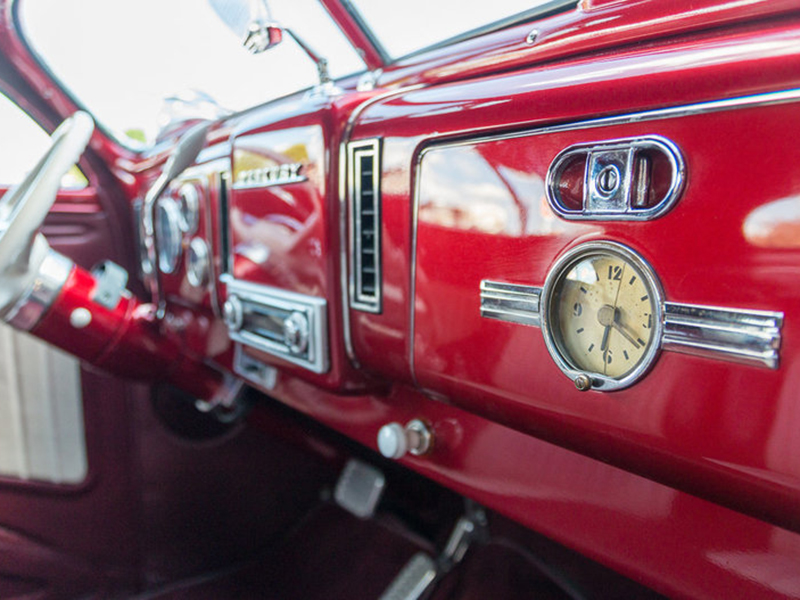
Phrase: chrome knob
x=295 y=333
x=233 y=313
x=394 y=440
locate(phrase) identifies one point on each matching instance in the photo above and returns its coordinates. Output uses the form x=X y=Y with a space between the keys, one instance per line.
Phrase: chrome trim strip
x=510 y=302
x=53 y=274
x=657 y=114
x=253 y=370
x=412 y=288
x=746 y=336
x=360 y=299
x=209 y=176
x=315 y=309
x=343 y=221
x=213 y=182
x=213 y=152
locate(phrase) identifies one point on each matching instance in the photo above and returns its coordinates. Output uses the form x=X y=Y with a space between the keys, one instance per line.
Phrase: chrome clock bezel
x=559 y=269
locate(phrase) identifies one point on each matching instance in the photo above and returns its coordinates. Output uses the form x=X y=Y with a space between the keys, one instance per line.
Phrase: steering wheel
x=24 y=207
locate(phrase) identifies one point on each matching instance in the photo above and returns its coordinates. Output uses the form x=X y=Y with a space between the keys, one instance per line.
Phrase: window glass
x=122 y=59
x=417 y=24
x=23 y=144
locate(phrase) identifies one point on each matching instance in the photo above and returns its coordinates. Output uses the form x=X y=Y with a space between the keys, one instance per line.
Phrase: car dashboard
x=563 y=285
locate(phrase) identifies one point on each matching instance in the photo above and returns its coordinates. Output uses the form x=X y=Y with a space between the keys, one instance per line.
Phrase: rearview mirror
x=250 y=21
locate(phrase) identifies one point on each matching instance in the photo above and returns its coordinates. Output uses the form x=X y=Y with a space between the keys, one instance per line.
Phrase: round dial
x=198 y=265
x=168 y=234
x=602 y=315
x=189 y=204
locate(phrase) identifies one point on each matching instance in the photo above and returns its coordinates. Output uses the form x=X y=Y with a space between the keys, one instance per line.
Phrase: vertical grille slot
x=365 y=228
x=224 y=237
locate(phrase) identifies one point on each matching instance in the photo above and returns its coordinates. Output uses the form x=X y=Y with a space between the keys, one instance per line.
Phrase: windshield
x=420 y=24
x=123 y=60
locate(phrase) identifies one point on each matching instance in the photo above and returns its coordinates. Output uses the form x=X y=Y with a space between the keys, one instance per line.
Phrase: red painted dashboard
x=388 y=224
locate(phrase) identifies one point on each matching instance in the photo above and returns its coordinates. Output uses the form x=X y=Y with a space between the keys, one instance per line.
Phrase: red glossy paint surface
x=721 y=431
x=279 y=236
x=472 y=229
x=725 y=66
x=288 y=236
x=483 y=215
x=591 y=28
x=680 y=545
x=128 y=340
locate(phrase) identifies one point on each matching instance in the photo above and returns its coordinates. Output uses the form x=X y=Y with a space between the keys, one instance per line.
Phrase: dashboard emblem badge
x=271 y=175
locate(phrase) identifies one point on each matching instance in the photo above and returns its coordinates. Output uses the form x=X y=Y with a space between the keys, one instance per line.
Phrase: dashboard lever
x=181 y=158
x=228 y=403
x=112 y=281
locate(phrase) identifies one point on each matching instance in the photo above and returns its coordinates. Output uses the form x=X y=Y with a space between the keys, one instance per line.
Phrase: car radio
x=288 y=325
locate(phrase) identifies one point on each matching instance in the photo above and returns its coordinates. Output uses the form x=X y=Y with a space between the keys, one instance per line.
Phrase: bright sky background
x=121 y=58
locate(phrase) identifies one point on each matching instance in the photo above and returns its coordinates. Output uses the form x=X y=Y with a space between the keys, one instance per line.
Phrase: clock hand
x=604 y=343
x=609 y=317
x=626 y=332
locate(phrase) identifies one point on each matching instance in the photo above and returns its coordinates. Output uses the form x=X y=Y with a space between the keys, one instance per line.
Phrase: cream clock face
x=605 y=315
x=603 y=311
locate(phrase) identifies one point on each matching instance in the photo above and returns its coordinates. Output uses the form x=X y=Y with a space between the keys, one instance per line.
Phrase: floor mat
x=332 y=556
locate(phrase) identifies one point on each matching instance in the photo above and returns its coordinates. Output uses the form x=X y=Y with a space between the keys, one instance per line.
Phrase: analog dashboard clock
x=602 y=315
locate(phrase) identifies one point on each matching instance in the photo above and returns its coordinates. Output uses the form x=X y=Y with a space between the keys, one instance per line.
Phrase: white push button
x=392 y=440
x=80 y=318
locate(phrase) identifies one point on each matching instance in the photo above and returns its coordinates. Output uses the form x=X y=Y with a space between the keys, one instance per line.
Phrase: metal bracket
x=228 y=404
x=112 y=281
x=468 y=529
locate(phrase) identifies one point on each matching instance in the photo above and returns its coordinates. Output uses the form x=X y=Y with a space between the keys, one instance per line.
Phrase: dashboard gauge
x=141 y=236
x=602 y=315
x=168 y=234
x=189 y=203
x=197 y=263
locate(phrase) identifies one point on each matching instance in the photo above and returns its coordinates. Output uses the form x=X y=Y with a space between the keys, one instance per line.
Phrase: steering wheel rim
x=24 y=207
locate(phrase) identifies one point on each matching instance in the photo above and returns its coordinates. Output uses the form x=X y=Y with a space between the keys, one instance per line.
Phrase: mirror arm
x=319 y=60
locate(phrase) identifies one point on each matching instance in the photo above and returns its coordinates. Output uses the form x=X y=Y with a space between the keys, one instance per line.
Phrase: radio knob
x=394 y=440
x=295 y=333
x=232 y=313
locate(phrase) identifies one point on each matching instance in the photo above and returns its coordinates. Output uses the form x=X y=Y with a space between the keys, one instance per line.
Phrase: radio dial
x=295 y=333
x=233 y=313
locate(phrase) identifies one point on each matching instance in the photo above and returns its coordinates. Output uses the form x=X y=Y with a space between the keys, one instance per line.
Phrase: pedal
x=359 y=488
x=414 y=580
x=468 y=529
